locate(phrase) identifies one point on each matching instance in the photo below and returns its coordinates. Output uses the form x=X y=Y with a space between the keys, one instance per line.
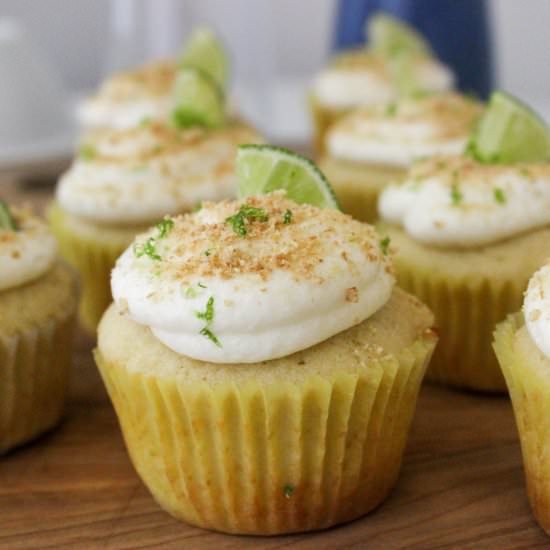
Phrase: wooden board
x=461 y=485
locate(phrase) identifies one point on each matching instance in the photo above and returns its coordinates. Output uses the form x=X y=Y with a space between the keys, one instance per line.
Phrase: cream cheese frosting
x=359 y=78
x=25 y=254
x=127 y=98
x=399 y=133
x=248 y=281
x=536 y=309
x=138 y=175
x=458 y=202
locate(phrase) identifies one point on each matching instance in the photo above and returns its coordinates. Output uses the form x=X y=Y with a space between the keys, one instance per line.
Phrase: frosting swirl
x=402 y=132
x=457 y=201
x=140 y=174
x=248 y=281
x=129 y=97
x=362 y=77
x=536 y=309
x=25 y=254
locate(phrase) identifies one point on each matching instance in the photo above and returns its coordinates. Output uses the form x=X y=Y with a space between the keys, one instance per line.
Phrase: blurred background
x=276 y=45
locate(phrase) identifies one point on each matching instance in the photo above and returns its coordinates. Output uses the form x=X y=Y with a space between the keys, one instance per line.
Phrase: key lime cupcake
x=38 y=299
x=468 y=233
x=396 y=61
x=522 y=345
x=127 y=98
x=263 y=367
x=374 y=146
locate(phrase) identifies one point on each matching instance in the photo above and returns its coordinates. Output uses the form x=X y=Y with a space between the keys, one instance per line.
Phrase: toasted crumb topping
x=206 y=244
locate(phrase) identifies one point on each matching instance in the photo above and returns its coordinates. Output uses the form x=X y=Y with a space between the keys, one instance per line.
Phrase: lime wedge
x=403 y=74
x=265 y=168
x=197 y=100
x=204 y=51
x=509 y=131
x=7 y=221
x=391 y=36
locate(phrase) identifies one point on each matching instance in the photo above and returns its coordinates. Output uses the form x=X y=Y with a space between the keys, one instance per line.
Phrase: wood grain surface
x=461 y=485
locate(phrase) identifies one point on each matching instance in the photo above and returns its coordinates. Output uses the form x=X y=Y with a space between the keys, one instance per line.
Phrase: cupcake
x=263 y=367
x=379 y=73
x=38 y=299
x=373 y=146
x=522 y=345
x=123 y=181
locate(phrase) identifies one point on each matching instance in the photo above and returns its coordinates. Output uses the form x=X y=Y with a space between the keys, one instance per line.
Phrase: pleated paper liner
x=268 y=455
x=527 y=374
x=35 y=355
x=322 y=119
x=358 y=185
x=469 y=292
x=93 y=256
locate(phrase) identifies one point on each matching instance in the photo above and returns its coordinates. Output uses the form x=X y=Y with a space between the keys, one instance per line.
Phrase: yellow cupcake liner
x=93 y=259
x=322 y=119
x=269 y=458
x=466 y=312
x=34 y=375
x=529 y=387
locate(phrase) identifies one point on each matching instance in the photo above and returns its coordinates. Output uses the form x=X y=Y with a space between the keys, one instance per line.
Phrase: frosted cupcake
x=38 y=299
x=374 y=146
x=396 y=61
x=522 y=345
x=263 y=367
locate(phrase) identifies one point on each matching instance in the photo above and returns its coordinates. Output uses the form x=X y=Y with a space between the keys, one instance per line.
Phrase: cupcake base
x=358 y=186
x=294 y=444
x=92 y=250
x=36 y=331
x=527 y=373
x=469 y=291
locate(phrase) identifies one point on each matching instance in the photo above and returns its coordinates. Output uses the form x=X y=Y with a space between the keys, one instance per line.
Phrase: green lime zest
x=208 y=314
x=244 y=216
x=262 y=169
x=87 y=152
x=385 y=245
x=204 y=51
x=205 y=331
x=7 y=221
x=149 y=247
x=509 y=132
x=287 y=217
x=456 y=195
x=499 y=195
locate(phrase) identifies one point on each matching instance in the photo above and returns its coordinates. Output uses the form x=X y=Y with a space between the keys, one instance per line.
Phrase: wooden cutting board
x=461 y=485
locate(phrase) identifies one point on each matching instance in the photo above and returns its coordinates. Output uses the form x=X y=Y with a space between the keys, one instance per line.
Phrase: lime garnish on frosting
x=205 y=52
x=265 y=168
x=7 y=221
x=509 y=131
x=198 y=101
x=391 y=36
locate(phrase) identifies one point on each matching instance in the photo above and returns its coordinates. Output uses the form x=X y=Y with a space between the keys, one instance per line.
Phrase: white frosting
x=26 y=254
x=139 y=175
x=277 y=290
x=402 y=132
x=536 y=309
x=346 y=87
x=458 y=202
x=127 y=98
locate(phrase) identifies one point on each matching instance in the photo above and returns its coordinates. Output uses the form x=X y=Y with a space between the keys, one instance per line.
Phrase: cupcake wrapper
x=322 y=118
x=34 y=372
x=466 y=313
x=269 y=458
x=529 y=389
x=94 y=260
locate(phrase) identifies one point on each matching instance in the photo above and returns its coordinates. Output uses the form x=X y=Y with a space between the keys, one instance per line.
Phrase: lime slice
x=204 y=51
x=197 y=100
x=391 y=36
x=509 y=131
x=6 y=219
x=265 y=168
x=403 y=74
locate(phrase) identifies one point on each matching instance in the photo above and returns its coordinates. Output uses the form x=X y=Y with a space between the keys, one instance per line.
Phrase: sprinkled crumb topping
x=280 y=235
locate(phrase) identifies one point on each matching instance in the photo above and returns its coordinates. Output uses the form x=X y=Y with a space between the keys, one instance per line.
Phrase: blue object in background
x=458 y=31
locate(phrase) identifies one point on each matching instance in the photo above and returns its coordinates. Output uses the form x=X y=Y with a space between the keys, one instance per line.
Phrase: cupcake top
x=460 y=202
x=127 y=98
x=27 y=249
x=364 y=77
x=140 y=174
x=536 y=309
x=399 y=133
x=252 y=280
